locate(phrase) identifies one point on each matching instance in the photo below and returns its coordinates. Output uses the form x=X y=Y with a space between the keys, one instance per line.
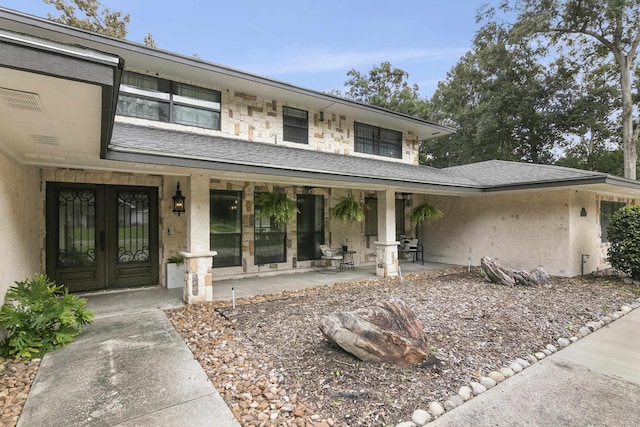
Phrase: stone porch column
x=198 y=283
x=387 y=245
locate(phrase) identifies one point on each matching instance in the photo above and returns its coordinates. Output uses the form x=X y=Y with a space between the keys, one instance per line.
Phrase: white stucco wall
x=521 y=230
x=585 y=232
x=21 y=224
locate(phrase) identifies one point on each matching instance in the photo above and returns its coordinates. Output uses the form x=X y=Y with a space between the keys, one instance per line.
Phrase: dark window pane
x=295 y=125
x=270 y=239
x=399 y=217
x=379 y=141
x=310 y=225
x=371 y=217
x=270 y=248
x=607 y=209
x=191 y=116
x=143 y=108
x=226 y=227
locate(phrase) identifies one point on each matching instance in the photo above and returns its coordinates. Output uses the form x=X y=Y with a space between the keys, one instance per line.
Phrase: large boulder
x=387 y=332
x=510 y=277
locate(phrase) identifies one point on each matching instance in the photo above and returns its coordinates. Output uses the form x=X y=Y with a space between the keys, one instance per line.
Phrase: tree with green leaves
x=624 y=236
x=96 y=18
x=592 y=32
x=503 y=101
x=387 y=87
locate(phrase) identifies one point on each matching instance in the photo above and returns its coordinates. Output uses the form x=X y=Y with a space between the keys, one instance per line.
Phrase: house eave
x=271 y=173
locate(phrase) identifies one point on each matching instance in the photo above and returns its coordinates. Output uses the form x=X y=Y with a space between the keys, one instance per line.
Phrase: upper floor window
x=152 y=98
x=295 y=125
x=378 y=141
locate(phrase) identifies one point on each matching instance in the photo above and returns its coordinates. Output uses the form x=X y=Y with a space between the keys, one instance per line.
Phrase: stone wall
x=22 y=224
x=252 y=118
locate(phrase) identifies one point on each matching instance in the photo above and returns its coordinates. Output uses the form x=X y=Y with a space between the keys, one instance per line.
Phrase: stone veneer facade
x=248 y=117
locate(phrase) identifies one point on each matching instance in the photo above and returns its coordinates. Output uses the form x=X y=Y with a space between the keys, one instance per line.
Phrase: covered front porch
x=139 y=300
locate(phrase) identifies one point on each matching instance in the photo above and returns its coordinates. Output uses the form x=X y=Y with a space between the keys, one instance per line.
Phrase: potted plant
x=347 y=209
x=175 y=271
x=275 y=204
x=345 y=244
x=425 y=213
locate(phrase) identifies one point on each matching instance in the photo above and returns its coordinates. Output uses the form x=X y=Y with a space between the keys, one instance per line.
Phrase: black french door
x=102 y=236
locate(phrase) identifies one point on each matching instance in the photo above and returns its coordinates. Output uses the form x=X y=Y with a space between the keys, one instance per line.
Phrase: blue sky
x=312 y=44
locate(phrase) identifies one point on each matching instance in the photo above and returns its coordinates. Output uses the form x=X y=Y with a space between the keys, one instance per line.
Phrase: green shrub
x=624 y=236
x=39 y=316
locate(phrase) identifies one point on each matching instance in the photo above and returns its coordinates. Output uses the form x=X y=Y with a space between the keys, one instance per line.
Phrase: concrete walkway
x=593 y=382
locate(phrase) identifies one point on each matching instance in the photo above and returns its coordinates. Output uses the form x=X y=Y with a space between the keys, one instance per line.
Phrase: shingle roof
x=171 y=147
x=498 y=173
x=219 y=151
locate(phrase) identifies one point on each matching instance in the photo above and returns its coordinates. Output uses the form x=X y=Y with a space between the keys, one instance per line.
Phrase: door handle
x=102 y=241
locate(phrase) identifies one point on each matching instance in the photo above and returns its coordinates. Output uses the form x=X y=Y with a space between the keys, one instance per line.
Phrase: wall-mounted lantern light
x=583 y=212
x=178 y=201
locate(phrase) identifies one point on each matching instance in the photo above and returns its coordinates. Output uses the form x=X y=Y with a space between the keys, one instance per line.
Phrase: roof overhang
x=57 y=102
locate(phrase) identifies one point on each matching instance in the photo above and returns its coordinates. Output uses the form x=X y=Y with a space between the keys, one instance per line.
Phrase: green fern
x=275 y=204
x=347 y=209
x=40 y=316
x=425 y=212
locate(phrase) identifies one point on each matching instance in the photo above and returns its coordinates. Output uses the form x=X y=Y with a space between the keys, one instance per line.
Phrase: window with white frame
x=379 y=141
x=295 y=125
x=152 y=98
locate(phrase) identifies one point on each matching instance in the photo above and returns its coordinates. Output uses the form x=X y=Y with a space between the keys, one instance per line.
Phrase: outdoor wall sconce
x=178 y=201
x=583 y=212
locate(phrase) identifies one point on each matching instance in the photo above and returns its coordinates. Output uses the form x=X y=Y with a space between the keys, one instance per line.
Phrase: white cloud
x=313 y=60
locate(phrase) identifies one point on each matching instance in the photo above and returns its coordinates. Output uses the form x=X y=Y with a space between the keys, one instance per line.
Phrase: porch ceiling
x=48 y=120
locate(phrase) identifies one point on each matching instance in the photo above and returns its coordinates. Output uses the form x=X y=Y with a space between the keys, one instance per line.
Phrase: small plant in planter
x=275 y=204
x=425 y=212
x=176 y=259
x=345 y=244
x=347 y=209
x=175 y=271
x=40 y=316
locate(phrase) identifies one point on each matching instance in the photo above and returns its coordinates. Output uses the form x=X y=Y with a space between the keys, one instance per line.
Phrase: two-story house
x=99 y=138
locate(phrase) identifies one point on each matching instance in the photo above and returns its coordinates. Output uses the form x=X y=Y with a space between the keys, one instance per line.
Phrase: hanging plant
x=275 y=204
x=347 y=209
x=425 y=213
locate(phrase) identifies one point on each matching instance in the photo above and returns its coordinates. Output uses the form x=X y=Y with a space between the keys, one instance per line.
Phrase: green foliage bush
x=624 y=236
x=39 y=316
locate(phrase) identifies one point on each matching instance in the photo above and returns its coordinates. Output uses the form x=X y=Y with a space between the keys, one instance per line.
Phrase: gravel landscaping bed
x=273 y=367
x=16 y=377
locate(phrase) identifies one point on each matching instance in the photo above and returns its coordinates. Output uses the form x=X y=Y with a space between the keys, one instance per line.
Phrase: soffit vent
x=21 y=100
x=44 y=139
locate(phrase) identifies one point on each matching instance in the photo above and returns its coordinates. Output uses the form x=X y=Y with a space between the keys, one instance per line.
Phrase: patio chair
x=416 y=249
x=333 y=256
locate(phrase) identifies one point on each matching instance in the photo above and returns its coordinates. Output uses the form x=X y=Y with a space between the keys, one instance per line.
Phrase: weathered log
x=510 y=277
x=387 y=332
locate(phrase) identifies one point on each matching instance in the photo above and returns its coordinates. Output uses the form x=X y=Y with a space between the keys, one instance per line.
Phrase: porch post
x=198 y=257
x=386 y=246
